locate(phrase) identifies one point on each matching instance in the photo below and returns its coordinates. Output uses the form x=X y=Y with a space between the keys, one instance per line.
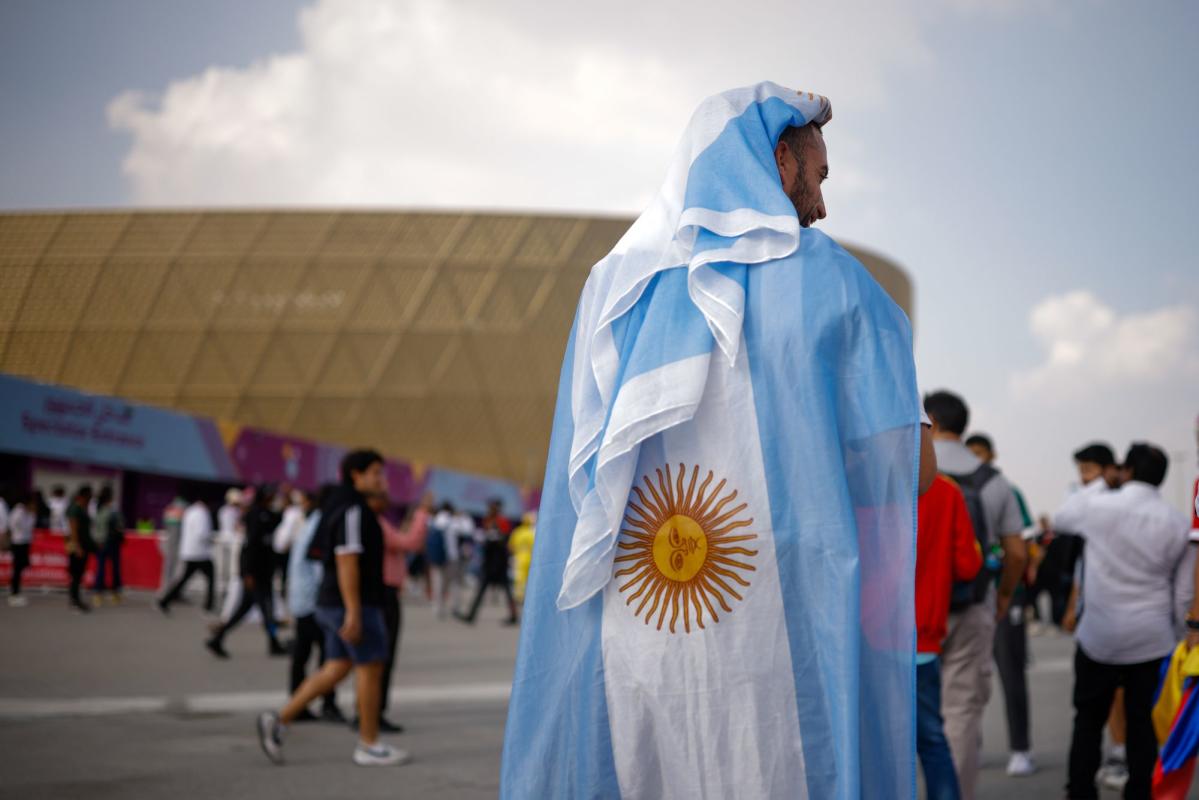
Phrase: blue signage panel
x=54 y=422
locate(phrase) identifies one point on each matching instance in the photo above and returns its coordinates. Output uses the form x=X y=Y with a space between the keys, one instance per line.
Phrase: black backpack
x=968 y=593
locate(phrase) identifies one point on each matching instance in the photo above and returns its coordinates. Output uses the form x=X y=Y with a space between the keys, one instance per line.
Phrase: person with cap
x=726 y=533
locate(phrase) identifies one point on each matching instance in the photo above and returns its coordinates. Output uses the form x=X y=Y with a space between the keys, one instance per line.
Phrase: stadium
x=435 y=337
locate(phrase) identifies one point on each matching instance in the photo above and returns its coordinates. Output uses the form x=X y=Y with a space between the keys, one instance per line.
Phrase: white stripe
x=234 y=702
x=710 y=713
x=353 y=525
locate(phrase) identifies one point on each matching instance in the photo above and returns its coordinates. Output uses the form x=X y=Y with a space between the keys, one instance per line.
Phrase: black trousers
x=190 y=568
x=259 y=596
x=76 y=566
x=1095 y=686
x=493 y=581
x=20 y=560
x=308 y=636
x=1011 y=658
x=393 y=614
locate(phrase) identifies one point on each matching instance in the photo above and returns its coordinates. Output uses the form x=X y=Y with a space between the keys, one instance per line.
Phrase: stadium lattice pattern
x=436 y=337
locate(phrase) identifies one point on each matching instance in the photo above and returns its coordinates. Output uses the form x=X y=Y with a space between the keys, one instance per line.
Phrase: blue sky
x=1031 y=164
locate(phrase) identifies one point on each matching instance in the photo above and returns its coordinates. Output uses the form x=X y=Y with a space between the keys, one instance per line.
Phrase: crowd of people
x=334 y=566
x=93 y=528
x=1120 y=577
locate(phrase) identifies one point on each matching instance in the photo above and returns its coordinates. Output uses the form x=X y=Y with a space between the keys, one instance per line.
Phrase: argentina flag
x=720 y=603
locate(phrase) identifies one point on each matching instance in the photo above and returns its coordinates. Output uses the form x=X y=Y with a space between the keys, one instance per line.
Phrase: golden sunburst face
x=684 y=547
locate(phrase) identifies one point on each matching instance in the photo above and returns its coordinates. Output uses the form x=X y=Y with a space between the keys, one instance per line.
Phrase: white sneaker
x=1114 y=775
x=18 y=601
x=1021 y=765
x=379 y=755
x=270 y=736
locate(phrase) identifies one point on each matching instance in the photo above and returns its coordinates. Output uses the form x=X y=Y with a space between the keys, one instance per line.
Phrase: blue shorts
x=372 y=647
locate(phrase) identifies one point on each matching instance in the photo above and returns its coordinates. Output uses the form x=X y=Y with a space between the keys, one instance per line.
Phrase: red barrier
x=141 y=562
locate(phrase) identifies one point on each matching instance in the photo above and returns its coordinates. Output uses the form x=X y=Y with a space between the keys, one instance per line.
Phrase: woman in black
x=257 y=564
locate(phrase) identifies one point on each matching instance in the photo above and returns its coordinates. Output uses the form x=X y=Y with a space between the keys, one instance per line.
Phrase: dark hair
x=358 y=461
x=799 y=137
x=58 y=490
x=446 y=505
x=1146 y=463
x=947 y=410
x=263 y=494
x=981 y=440
x=105 y=496
x=1096 y=453
x=84 y=491
x=324 y=493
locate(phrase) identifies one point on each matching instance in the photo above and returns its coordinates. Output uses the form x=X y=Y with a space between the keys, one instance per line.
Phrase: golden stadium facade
x=436 y=337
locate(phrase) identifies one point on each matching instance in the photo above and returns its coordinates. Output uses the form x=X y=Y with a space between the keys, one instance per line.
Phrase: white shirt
x=195 y=537
x=289 y=528
x=58 y=513
x=20 y=524
x=462 y=527
x=229 y=518
x=1136 y=577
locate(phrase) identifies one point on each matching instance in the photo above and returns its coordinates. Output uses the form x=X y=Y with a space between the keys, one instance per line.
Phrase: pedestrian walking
x=976 y=606
x=109 y=532
x=1010 y=648
x=257 y=570
x=1135 y=543
x=494 y=571
x=21 y=519
x=946 y=551
x=195 y=551
x=80 y=544
x=303 y=584
x=349 y=611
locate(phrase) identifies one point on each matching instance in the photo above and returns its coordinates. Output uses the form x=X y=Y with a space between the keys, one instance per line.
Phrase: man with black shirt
x=257 y=564
x=974 y=608
x=495 y=563
x=349 y=611
x=79 y=543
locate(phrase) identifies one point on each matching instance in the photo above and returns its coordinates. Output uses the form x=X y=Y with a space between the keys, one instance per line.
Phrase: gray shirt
x=998 y=500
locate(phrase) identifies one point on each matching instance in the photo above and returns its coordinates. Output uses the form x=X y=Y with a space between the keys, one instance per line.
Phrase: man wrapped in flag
x=721 y=597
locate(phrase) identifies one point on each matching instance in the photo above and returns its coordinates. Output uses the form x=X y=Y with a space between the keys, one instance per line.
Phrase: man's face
x=802 y=174
x=1089 y=471
x=1114 y=476
x=983 y=452
x=371 y=480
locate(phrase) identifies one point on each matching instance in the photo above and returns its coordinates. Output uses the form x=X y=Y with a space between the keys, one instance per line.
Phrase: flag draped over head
x=720 y=602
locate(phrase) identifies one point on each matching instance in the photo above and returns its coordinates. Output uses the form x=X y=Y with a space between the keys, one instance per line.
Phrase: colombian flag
x=1176 y=722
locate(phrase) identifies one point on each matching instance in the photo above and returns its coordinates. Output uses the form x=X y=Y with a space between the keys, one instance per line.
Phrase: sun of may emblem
x=683 y=550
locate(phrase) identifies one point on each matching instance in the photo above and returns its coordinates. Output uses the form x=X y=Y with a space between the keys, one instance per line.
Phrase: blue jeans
x=108 y=554
x=940 y=778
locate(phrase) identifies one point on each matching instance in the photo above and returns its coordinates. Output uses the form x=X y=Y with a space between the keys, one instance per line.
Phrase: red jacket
x=946 y=551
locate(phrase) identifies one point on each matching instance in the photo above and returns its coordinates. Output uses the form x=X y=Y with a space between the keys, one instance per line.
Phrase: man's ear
x=780 y=150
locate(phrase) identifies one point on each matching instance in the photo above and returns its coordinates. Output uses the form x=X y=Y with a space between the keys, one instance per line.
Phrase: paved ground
x=125 y=703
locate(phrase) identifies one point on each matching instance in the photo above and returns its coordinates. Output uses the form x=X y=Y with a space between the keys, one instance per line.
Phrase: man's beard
x=803 y=204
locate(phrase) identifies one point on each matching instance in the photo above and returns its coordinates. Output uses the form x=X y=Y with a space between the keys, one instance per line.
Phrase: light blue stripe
x=664 y=327
x=558 y=741
x=807 y=361
x=737 y=170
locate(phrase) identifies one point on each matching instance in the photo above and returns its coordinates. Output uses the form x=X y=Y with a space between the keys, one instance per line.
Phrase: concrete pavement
x=126 y=703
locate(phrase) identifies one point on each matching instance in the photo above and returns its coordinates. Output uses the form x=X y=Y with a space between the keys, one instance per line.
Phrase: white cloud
x=435 y=103
x=1090 y=348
